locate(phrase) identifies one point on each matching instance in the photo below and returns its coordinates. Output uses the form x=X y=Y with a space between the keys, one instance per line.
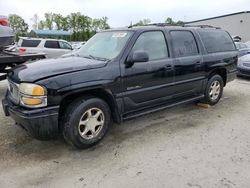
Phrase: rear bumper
x=40 y=123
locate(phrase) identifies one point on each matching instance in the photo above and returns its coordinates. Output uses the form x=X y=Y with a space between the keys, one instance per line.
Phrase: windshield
x=105 y=45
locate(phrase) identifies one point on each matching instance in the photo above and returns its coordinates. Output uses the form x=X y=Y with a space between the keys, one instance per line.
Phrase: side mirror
x=137 y=57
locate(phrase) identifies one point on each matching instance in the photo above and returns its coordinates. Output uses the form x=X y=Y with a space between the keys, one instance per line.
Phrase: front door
x=148 y=83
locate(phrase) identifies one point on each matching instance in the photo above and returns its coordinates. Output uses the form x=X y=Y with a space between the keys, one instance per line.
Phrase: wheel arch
x=222 y=71
x=101 y=93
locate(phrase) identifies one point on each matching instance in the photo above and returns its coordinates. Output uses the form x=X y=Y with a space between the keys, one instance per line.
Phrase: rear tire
x=86 y=122
x=214 y=90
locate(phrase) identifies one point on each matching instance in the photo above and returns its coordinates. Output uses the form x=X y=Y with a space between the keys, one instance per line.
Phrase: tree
x=143 y=22
x=41 y=25
x=170 y=21
x=48 y=20
x=35 y=20
x=100 y=24
x=18 y=25
x=81 y=26
x=61 y=22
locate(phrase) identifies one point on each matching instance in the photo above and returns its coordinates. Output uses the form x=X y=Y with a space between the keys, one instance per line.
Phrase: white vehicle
x=52 y=48
x=248 y=44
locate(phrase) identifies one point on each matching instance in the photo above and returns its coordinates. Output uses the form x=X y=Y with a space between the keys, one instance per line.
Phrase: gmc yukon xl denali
x=117 y=75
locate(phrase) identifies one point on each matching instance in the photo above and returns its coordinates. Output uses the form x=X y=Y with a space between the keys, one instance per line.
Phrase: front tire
x=86 y=122
x=214 y=90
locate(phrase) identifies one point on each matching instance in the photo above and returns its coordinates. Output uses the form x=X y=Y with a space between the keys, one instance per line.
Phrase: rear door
x=188 y=63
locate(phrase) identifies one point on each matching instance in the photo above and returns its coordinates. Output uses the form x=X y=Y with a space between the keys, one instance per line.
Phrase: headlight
x=240 y=62
x=32 y=95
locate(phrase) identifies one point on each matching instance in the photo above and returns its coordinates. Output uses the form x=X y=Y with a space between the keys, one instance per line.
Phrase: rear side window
x=152 y=42
x=30 y=43
x=216 y=41
x=51 y=44
x=184 y=43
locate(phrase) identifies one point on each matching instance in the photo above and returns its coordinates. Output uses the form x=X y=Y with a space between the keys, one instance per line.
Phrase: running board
x=159 y=108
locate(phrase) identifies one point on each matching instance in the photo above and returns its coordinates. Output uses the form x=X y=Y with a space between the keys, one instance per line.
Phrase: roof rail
x=158 y=25
x=202 y=26
x=162 y=24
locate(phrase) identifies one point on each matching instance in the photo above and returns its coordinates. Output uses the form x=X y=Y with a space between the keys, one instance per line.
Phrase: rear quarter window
x=216 y=41
x=30 y=43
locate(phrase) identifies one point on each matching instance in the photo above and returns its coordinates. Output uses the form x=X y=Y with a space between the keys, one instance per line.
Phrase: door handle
x=198 y=63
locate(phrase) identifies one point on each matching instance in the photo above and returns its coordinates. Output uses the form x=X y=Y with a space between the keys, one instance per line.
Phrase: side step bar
x=160 y=107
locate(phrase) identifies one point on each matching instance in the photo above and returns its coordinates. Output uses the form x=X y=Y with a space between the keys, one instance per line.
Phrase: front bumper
x=41 y=123
x=243 y=71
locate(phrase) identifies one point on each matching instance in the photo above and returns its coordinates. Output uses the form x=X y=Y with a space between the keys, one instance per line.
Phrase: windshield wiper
x=99 y=58
x=94 y=57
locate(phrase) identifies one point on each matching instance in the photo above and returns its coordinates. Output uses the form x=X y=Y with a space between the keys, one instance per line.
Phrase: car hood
x=31 y=72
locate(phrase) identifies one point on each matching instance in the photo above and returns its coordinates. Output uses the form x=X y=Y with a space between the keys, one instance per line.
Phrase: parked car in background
x=119 y=74
x=242 y=48
x=52 y=48
x=248 y=44
x=6 y=33
x=243 y=66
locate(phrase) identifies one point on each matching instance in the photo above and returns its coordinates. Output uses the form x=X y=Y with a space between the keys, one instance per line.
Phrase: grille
x=14 y=91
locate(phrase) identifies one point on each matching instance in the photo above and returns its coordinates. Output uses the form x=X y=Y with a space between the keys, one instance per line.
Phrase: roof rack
x=202 y=26
x=156 y=24
x=162 y=24
x=166 y=24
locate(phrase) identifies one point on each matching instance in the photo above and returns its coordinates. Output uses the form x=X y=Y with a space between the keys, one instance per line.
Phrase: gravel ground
x=185 y=146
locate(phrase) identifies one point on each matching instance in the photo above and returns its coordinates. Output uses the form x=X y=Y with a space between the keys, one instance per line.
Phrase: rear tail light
x=4 y=21
x=22 y=50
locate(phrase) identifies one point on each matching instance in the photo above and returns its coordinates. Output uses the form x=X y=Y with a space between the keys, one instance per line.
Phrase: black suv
x=117 y=75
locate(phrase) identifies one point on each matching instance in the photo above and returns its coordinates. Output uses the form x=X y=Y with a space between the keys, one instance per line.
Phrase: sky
x=122 y=13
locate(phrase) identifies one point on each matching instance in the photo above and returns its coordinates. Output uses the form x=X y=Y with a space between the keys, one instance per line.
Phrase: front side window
x=153 y=43
x=64 y=45
x=51 y=44
x=184 y=43
x=105 y=45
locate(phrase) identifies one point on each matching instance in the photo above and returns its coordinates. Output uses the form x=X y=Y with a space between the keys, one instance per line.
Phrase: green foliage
x=142 y=22
x=81 y=26
x=170 y=21
x=18 y=25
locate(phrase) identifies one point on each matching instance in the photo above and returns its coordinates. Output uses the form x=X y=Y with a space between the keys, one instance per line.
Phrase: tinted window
x=153 y=43
x=30 y=43
x=184 y=43
x=51 y=44
x=216 y=40
x=65 y=45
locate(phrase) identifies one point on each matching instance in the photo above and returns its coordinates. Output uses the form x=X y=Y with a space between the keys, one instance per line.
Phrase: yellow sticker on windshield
x=119 y=35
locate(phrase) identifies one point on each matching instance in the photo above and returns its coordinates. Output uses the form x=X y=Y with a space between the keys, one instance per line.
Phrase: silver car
x=52 y=48
x=243 y=66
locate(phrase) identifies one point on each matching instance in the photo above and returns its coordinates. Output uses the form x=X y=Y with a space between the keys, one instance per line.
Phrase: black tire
x=73 y=115
x=209 y=99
